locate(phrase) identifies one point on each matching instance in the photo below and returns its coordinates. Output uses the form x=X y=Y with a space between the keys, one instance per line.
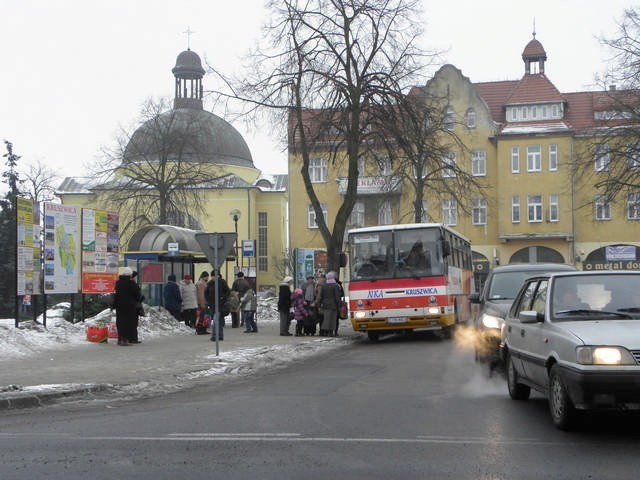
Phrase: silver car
x=575 y=337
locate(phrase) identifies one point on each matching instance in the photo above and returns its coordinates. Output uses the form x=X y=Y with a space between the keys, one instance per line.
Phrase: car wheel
x=373 y=336
x=517 y=391
x=560 y=406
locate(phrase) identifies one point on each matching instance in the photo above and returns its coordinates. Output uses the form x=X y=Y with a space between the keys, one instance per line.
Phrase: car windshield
x=505 y=285
x=606 y=296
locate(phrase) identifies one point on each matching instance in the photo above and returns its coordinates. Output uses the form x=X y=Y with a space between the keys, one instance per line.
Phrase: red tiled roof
x=534 y=88
x=534 y=49
x=496 y=95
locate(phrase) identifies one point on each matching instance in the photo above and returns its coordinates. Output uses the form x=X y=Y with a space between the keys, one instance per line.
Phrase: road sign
x=173 y=249
x=248 y=248
x=217 y=246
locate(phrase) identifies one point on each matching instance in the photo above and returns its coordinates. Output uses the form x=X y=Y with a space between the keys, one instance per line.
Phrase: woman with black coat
x=284 y=305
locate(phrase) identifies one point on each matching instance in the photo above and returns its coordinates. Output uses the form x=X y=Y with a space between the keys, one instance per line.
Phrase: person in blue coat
x=172 y=297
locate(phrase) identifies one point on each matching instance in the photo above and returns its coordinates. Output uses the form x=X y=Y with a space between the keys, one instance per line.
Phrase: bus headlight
x=359 y=314
x=433 y=310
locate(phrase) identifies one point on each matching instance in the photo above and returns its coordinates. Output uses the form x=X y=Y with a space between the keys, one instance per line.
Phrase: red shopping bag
x=113 y=330
x=97 y=334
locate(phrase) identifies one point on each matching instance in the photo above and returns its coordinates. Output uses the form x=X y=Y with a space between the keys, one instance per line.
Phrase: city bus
x=409 y=277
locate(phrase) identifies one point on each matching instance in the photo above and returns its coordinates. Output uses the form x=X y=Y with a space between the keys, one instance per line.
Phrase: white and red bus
x=409 y=277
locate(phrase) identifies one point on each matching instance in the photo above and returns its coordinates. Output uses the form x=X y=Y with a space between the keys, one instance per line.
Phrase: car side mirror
x=530 y=316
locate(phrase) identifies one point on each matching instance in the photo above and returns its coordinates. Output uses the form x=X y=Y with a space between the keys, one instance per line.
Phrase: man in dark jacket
x=223 y=297
x=284 y=305
x=125 y=300
x=172 y=297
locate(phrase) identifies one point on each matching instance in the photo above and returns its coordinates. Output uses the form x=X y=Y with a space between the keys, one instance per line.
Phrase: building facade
x=523 y=142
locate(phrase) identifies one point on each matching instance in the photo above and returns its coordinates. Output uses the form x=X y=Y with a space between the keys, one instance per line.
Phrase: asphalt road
x=404 y=408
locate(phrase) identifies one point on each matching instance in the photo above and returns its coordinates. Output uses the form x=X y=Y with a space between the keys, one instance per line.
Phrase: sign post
x=216 y=247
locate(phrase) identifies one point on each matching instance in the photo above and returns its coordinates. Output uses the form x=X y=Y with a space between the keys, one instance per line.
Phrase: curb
x=23 y=399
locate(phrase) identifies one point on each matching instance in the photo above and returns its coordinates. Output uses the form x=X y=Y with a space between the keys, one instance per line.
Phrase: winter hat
x=287 y=280
x=127 y=272
x=172 y=278
x=240 y=274
x=187 y=277
x=331 y=277
x=298 y=291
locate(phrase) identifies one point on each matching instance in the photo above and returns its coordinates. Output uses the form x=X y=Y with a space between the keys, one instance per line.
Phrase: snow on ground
x=32 y=337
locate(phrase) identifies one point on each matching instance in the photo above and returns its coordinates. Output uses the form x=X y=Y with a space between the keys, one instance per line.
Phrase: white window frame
x=356 y=218
x=479 y=163
x=311 y=215
x=602 y=158
x=553 y=157
x=479 y=211
x=471 y=118
x=534 y=208
x=362 y=166
x=534 y=158
x=425 y=216
x=633 y=157
x=515 y=209
x=318 y=170
x=633 y=206
x=554 y=209
x=449 y=165
x=384 y=166
x=385 y=216
x=515 y=159
x=450 y=212
x=449 y=120
x=602 y=208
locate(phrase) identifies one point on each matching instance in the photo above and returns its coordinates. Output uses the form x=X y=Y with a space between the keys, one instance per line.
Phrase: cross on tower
x=188 y=31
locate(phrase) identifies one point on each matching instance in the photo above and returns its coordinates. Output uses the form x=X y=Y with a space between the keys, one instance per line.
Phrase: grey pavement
x=158 y=364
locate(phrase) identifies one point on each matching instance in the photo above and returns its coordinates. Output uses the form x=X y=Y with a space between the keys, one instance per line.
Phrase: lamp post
x=235 y=216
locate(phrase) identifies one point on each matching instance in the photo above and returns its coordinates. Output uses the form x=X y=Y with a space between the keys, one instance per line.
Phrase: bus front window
x=372 y=255
x=418 y=253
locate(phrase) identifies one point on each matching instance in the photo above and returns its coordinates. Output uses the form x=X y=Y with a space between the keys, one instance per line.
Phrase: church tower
x=188 y=72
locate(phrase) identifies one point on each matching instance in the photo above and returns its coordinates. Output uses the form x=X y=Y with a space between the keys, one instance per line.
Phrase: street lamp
x=235 y=216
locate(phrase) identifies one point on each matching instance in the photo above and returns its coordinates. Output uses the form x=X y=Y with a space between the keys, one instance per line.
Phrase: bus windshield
x=402 y=253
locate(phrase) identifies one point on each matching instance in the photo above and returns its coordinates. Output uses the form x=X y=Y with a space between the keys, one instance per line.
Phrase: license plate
x=397 y=320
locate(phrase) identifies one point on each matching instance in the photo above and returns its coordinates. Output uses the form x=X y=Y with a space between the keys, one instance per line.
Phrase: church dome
x=188 y=135
x=188 y=65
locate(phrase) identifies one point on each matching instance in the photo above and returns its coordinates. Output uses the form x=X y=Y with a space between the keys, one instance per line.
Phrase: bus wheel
x=447 y=332
x=373 y=336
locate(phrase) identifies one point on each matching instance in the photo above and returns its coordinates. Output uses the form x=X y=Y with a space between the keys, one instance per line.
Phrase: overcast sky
x=74 y=70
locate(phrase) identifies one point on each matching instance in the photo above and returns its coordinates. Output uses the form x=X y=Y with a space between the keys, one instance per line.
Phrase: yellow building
x=522 y=140
x=232 y=192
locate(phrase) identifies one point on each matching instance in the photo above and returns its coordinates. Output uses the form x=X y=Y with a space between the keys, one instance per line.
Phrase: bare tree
x=159 y=172
x=611 y=162
x=326 y=68
x=39 y=182
x=419 y=137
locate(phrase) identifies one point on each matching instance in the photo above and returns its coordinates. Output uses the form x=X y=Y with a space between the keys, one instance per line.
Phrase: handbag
x=343 y=313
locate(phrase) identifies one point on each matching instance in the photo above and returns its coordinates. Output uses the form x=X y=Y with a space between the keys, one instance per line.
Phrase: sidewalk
x=159 y=364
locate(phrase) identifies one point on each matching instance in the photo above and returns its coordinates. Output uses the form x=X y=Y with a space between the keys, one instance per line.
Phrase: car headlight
x=491 y=321
x=604 y=356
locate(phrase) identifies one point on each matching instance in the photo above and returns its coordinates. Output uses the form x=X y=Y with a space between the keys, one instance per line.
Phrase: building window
x=515 y=209
x=545 y=112
x=357 y=215
x=514 y=114
x=602 y=158
x=553 y=208
x=449 y=212
x=479 y=213
x=263 y=243
x=534 y=208
x=515 y=159
x=553 y=157
x=633 y=157
x=471 y=118
x=479 y=163
x=534 y=158
x=362 y=166
x=603 y=208
x=425 y=217
x=318 y=169
x=449 y=165
x=384 y=166
x=449 y=119
x=633 y=206
x=384 y=214
x=311 y=218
